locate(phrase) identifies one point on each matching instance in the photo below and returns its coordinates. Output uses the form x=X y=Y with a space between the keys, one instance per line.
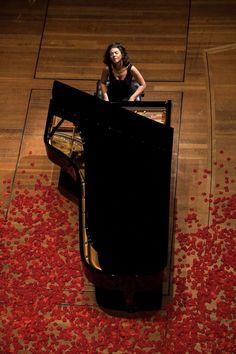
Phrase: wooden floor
x=186 y=51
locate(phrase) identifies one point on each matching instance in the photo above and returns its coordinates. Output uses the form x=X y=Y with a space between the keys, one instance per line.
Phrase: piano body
x=118 y=158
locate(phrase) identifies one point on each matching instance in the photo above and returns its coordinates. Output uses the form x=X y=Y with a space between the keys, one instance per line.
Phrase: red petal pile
x=47 y=305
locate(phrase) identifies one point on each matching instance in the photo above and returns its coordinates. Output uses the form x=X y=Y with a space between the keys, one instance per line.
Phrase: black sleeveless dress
x=120 y=90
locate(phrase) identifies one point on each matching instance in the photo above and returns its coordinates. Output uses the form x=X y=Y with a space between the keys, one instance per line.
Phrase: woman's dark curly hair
x=125 y=57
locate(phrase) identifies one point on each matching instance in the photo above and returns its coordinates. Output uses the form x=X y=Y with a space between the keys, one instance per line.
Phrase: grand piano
x=117 y=159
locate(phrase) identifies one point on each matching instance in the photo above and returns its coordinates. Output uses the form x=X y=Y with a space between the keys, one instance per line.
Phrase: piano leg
x=68 y=187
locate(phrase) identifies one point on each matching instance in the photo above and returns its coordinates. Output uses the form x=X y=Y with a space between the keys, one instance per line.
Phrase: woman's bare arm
x=142 y=84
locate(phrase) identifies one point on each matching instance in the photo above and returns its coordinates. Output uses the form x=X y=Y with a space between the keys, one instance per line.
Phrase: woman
x=121 y=75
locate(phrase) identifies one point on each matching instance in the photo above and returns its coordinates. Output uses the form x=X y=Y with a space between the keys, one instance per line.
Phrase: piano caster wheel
x=67 y=186
x=129 y=298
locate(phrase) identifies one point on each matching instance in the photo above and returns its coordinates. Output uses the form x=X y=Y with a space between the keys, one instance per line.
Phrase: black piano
x=117 y=159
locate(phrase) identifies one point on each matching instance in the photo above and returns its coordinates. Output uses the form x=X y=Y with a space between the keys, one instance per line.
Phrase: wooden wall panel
x=212 y=23
x=77 y=34
x=21 y=26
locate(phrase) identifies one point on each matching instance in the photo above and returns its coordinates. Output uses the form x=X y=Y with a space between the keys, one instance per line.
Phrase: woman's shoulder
x=133 y=67
x=134 y=70
x=129 y=68
x=106 y=68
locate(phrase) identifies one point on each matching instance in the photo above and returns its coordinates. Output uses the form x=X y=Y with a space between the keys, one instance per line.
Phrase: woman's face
x=115 y=55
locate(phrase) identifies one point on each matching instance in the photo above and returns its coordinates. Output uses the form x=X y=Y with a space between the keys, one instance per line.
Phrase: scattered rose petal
x=48 y=306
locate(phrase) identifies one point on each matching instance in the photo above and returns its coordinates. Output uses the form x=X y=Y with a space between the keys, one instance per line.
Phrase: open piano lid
x=127 y=179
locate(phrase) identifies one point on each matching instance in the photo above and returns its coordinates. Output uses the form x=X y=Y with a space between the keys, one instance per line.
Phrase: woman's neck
x=118 y=66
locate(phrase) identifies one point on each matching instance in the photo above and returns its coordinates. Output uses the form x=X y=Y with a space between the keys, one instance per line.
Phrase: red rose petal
x=48 y=306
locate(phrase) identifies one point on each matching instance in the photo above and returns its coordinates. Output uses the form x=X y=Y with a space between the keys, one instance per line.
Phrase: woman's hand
x=105 y=97
x=131 y=99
